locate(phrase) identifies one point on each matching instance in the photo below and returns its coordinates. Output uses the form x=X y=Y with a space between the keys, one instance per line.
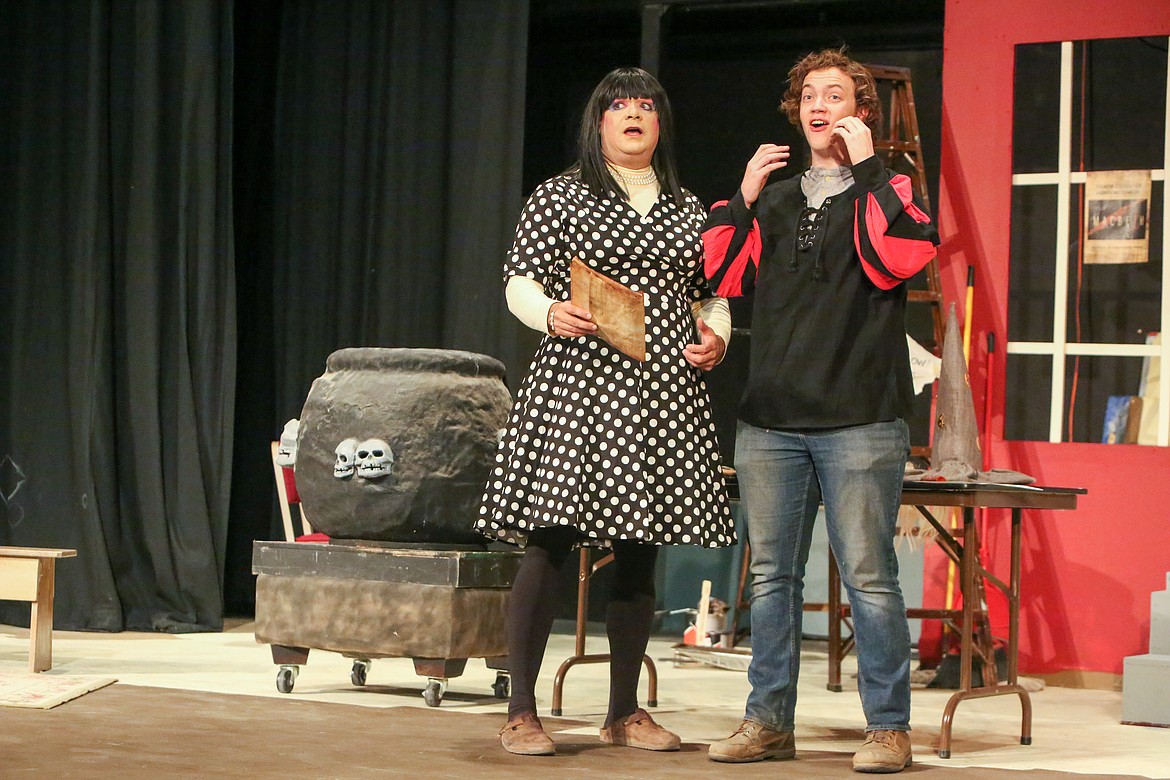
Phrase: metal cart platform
x=368 y=600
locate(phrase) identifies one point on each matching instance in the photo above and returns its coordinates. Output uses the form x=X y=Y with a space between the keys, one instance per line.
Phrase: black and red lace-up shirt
x=828 y=345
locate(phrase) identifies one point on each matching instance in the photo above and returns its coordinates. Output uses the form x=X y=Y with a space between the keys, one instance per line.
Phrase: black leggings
x=627 y=618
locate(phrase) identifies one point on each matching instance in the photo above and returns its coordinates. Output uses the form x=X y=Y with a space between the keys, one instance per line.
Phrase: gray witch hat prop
x=955 y=455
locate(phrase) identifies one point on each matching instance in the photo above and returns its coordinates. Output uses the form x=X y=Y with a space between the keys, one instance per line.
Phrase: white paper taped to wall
x=924 y=367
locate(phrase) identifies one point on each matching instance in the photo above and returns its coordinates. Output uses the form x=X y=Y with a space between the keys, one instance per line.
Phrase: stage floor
x=1074 y=731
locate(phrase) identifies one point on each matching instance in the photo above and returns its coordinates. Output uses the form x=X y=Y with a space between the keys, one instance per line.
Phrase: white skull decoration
x=286 y=451
x=344 y=466
x=374 y=459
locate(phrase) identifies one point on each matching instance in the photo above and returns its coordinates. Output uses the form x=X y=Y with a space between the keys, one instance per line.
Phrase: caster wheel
x=433 y=693
x=286 y=677
x=357 y=675
x=502 y=687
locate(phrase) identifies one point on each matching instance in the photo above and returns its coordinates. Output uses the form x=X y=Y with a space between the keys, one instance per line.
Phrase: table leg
x=585 y=571
x=967 y=589
x=970 y=560
x=1014 y=633
x=970 y=570
x=40 y=656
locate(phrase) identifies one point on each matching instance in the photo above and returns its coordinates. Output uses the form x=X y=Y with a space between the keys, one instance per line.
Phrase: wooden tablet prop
x=618 y=311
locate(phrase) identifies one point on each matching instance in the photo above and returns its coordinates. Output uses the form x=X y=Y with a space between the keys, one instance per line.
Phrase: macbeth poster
x=1117 y=207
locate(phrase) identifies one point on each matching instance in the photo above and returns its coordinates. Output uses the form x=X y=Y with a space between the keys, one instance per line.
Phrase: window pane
x=1121 y=82
x=1036 y=108
x=1028 y=397
x=1118 y=120
x=1116 y=304
x=1032 y=263
x=1090 y=381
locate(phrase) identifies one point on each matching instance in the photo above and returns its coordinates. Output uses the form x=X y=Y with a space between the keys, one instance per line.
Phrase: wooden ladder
x=902 y=150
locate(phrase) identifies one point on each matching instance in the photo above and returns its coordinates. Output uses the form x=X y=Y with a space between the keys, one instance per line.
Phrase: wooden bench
x=26 y=574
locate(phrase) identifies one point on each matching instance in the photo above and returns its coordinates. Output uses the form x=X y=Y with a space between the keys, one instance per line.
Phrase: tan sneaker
x=753 y=742
x=524 y=736
x=883 y=751
x=640 y=731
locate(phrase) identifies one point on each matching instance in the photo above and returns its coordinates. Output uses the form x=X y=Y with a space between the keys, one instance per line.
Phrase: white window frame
x=1059 y=348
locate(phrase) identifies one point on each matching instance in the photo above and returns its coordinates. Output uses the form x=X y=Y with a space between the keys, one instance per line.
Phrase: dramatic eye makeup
x=620 y=104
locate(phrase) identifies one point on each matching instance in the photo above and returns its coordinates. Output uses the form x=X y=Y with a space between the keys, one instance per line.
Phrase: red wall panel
x=1087 y=574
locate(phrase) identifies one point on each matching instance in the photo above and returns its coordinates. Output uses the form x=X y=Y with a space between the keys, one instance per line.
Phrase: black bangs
x=629 y=83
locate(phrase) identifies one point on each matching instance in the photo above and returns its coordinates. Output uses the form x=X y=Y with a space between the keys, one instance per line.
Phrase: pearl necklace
x=635 y=180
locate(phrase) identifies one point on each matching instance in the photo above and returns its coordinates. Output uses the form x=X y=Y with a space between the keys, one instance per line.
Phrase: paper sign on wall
x=1117 y=208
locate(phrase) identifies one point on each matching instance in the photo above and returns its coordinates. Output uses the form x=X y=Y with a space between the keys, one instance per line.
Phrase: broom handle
x=988 y=386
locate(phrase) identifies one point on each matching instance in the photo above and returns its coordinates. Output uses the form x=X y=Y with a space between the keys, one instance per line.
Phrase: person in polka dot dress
x=601 y=447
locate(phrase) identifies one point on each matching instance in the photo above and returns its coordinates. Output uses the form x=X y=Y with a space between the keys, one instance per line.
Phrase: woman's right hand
x=768 y=158
x=567 y=320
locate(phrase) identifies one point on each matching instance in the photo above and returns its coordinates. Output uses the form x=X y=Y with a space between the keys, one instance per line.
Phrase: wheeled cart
x=370 y=600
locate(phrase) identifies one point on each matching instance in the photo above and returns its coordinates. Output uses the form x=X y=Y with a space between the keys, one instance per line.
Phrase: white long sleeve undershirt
x=526 y=300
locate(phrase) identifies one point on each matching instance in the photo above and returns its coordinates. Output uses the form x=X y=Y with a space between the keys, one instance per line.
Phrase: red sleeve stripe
x=905 y=189
x=728 y=275
x=888 y=260
x=911 y=255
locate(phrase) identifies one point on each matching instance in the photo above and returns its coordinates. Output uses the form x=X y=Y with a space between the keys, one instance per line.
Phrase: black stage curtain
x=374 y=149
x=118 y=306
x=398 y=133
x=378 y=171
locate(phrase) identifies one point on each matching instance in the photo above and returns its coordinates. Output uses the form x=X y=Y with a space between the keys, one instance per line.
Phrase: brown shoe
x=524 y=736
x=640 y=731
x=753 y=742
x=883 y=751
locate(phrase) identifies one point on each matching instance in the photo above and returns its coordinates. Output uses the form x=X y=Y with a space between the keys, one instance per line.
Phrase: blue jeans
x=783 y=478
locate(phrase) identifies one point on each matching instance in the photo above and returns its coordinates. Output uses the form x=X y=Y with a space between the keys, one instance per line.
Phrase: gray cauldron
x=396 y=445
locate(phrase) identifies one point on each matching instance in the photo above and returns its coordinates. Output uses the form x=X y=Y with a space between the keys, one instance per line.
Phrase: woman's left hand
x=708 y=352
x=858 y=140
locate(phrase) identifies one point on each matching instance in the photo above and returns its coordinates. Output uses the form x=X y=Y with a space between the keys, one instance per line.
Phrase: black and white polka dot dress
x=596 y=440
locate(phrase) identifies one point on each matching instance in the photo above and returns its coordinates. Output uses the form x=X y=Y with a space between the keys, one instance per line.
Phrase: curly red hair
x=865 y=89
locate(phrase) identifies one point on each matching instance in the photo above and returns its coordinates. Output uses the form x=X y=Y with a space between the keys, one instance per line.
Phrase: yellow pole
x=967 y=314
